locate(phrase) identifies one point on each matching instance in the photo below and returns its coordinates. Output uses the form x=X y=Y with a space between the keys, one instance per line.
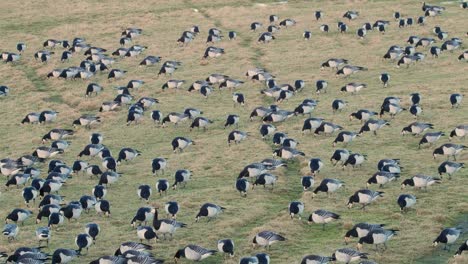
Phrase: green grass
x=215 y=165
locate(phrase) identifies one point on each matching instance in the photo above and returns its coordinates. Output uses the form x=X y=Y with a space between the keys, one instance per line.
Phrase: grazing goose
x=382 y=178
x=345 y=137
x=193 y=252
x=213 y=52
x=29 y=194
x=449 y=168
x=347 y=70
x=405 y=201
x=180 y=143
x=116 y=74
x=202 y=122
x=364 y=197
x=175 y=118
x=173 y=84
x=109 y=106
x=266 y=239
x=362 y=115
x=127 y=246
x=143 y=215
x=311 y=124
x=334 y=63
x=348 y=255
x=355 y=160
x=91 y=150
x=377 y=237
x=146 y=233
x=63 y=255
x=236 y=136
x=83 y=241
x=55 y=219
x=128 y=154
x=47 y=116
x=242 y=185
x=31 y=118
x=265 y=179
x=391 y=108
x=226 y=246
x=415 y=110
x=329 y=186
x=455 y=100
x=93 y=230
x=172 y=208
x=296 y=208
x=10 y=231
x=18 y=216
x=316 y=259
x=57 y=134
x=72 y=211
x=353 y=88
x=165 y=226
x=448 y=236
x=288 y=22
x=103 y=207
x=430 y=137
x=324 y=28
x=144 y=192
x=210 y=211
x=161 y=186
x=338 y=105
x=420 y=181
x=339 y=155
x=277 y=116
x=181 y=177
x=416 y=128
x=448 y=150
x=86 y=121
x=150 y=60
x=43 y=234
x=360 y=230
x=322 y=217
x=158 y=164
x=463 y=247
x=287 y=153
x=459 y=131
x=232 y=120
x=463 y=56
x=315 y=165
x=327 y=128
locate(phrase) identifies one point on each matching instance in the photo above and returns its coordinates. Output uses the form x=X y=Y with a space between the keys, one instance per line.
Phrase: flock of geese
x=149 y=225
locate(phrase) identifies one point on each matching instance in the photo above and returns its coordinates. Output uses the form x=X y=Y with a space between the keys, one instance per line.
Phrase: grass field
x=216 y=166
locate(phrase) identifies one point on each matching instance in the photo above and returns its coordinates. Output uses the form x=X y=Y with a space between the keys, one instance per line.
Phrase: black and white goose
x=449 y=150
x=327 y=128
x=267 y=238
x=109 y=178
x=296 y=208
x=345 y=137
x=420 y=181
x=311 y=124
x=226 y=246
x=316 y=259
x=339 y=155
x=116 y=74
x=99 y=191
x=322 y=217
x=315 y=165
x=347 y=70
x=57 y=134
x=430 y=137
x=30 y=194
x=48 y=116
x=200 y=122
x=448 y=236
x=459 y=131
x=266 y=37
x=131 y=246
x=91 y=150
x=405 y=201
x=193 y=252
x=72 y=210
x=173 y=84
x=338 y=105
x=181 y=143
x=86 y=121
x=236 y=136
x=364 y=197
x=287 y=153
x=55 y=219
x=146 y=233
x=175 y=118
x=360 y=230
x=158 y=165
x=165 y=226
x=362 y=115
x=144 y=192
x=355 y=159
x=377 y=237
x=83 y=241
x=10 y=231
x=353 y=87
x=232 y=120
x=328 y=186
x=103 y=207
x=63 y=255
x=348 y=255
x=162 y=185
x=265 y=179
x=463 y=56
x=416 y=128
x=450 y=168
x=288 y=22
x=128 y=154
x=210 y=211
x=463 y=247
x=253 y=170
x=143 y=215
x=171 y=208
x=181 y=178
x=43 y=234
x=93 y=230
x=213 y=52
x=307 y=182
x=381 y=178
x=455 y=100
x=392 y=108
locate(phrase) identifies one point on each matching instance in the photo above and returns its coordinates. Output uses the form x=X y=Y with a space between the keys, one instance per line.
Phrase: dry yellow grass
x=215 y=165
